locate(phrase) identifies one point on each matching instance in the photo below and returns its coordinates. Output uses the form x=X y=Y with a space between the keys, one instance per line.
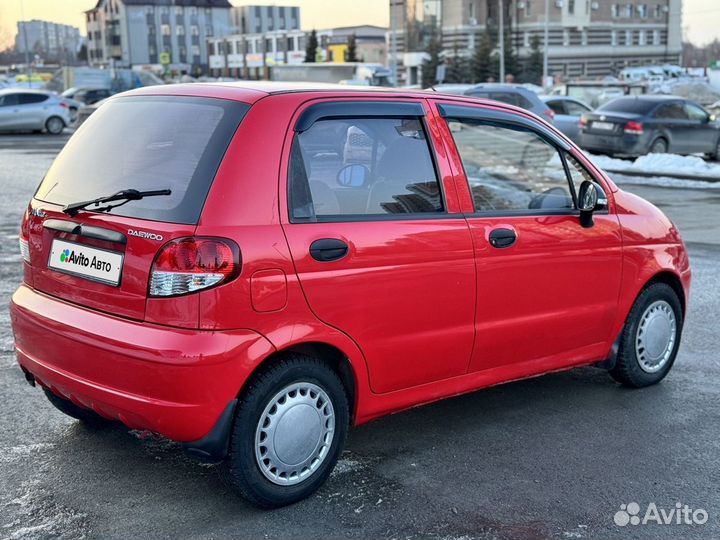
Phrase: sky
x=701 y=18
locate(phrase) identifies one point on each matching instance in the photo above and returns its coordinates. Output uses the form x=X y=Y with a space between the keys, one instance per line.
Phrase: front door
x=379 y=246
x=547 y=287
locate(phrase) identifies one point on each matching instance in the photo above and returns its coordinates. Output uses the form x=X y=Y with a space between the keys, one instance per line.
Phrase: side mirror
x=353 y=175
x=587 y=202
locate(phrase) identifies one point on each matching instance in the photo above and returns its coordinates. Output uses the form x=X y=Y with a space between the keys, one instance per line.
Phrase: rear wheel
x=650 y=338
x=659 y=146
x=67 y=407
x=54 y=125
x=289 y=430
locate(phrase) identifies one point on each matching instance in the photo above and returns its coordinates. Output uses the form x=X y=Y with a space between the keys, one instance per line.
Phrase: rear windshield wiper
x=126 y=195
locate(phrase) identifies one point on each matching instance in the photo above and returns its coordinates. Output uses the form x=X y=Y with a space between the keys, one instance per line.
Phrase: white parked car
x=33 y=110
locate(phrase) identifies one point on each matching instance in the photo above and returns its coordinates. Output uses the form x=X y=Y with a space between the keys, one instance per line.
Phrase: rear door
x=379 y=245
x=33 y=110
x=99 y=258
x=547 y=287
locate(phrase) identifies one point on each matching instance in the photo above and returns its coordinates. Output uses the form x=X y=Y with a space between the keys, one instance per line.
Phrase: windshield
x=146 y=143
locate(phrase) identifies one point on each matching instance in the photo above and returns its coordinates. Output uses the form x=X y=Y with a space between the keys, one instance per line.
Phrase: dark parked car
x=568 y=112
x=639 y=125
x=513 y=94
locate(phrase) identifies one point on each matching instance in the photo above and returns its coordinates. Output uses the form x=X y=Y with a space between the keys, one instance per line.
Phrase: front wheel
x=650 y=338
x=289 y=430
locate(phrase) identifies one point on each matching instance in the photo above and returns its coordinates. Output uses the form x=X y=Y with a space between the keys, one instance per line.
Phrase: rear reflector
x=582 y=122
x=25 y=250
x=188 y=265
x=634 y=128
x=549 y=114
x=64 y=105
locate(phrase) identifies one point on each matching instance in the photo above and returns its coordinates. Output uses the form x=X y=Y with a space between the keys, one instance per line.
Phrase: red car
x=250 y=269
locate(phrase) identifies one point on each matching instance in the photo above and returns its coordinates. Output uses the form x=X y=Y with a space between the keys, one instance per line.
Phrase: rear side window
x=29 y=99
x=511 y=98
x=362 y=167
x=9 y=99
x=628 y=105
x=146 y=143
x=511 y=169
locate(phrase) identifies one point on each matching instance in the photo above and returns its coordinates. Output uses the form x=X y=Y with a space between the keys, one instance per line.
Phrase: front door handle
x=502 y=238
x=328 y=249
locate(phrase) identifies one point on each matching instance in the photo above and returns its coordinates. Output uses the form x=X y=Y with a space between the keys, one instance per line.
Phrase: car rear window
x=146 y=143
x=628 y=105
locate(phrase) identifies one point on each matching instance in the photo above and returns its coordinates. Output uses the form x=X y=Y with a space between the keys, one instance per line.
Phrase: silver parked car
x=33 y=110
x=567 y=114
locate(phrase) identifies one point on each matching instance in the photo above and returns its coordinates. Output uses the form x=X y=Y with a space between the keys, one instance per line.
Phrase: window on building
x=642 y=11
x=165 y=29
x=566 y=38
x=164 y=10
x=149 y=9
x=194 y=30
x=571 y=7
x=628 y=11
x=268 y=45
x=178 y=10
x=211 y=48
x=193 y=10
x=658 y=11
x=656 y=37
x=526 y=39
x=628 y=37
x=584 y=37
x=641 y=37
x=209 y=30
x=151 y=29
x=195 y=50
x=613 y=38
x=615 y=11
x=180 y=30
x=528 y=8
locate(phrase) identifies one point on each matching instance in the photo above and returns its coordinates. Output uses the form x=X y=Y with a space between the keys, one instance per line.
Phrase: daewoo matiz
x=251 y=269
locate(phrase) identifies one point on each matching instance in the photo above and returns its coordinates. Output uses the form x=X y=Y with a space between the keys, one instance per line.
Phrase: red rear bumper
x=173 y=381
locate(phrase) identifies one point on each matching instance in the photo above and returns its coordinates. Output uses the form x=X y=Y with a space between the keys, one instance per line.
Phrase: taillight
x=187 y=265
x=64 y=105
x=550 y=114
x=24 y=235
x=634 y=128
x=582 y=122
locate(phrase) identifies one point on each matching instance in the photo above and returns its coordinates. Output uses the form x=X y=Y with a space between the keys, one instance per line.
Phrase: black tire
x=243 y=469
x=659 y=146
x=54 y=125
x=67 y=407
x=628 y=369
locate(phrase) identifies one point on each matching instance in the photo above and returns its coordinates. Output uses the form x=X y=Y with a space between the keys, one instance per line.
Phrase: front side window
x=510 y=169
x=695 y=113
x=362 y=167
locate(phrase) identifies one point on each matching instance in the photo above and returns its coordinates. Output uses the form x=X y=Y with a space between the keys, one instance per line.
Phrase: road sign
x=165 y=58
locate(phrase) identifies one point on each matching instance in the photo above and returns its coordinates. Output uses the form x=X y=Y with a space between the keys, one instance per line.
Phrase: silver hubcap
x=55 y=125
x=294 y=434
x=656 y=336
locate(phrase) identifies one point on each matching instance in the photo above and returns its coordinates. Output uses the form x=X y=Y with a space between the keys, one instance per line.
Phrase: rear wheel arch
x=662 y=137
x=330 y=355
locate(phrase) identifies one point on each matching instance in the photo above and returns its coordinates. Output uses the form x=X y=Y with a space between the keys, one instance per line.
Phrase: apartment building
x=586 y=38
x=128 y=33
x=370 y=43
x=52 y=41
x=258 y=19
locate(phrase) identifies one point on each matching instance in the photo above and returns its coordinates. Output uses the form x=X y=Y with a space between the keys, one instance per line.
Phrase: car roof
x=18 y=89
x=505 y=87
x=252 y=91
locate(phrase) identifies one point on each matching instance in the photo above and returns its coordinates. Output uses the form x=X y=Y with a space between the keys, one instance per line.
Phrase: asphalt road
x=551 y=457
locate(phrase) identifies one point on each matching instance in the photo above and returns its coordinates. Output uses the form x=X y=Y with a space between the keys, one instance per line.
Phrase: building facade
x=586 y=38
x=51 y=41
x=130 y=33
x=264 y=19
x=247 y=56
x=370 y=43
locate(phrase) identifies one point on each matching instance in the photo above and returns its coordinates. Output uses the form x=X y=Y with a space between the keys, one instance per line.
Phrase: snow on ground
x=663 y=181
x=661 y=164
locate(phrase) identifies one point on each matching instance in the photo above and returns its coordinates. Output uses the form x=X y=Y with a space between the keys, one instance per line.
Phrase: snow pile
x=661 y=165
x=698 y=91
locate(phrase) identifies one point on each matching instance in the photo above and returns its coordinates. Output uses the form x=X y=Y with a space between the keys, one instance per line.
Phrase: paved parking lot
x=553 y=457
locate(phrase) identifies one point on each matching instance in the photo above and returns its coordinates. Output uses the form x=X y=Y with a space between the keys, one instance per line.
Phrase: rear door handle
x=328 y=249
x=502 y=238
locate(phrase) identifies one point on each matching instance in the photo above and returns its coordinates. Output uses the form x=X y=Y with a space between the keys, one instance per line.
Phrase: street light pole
x=393 y=45
x=502 y=41
x=25 y=39
x=545 y=41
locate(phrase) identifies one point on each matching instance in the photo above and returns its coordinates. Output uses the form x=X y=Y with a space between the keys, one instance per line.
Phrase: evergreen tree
x=312 y=47
x=481 y=63
x=534 y=63
x=458 y=69
x=430 y=65
x=351 y=53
